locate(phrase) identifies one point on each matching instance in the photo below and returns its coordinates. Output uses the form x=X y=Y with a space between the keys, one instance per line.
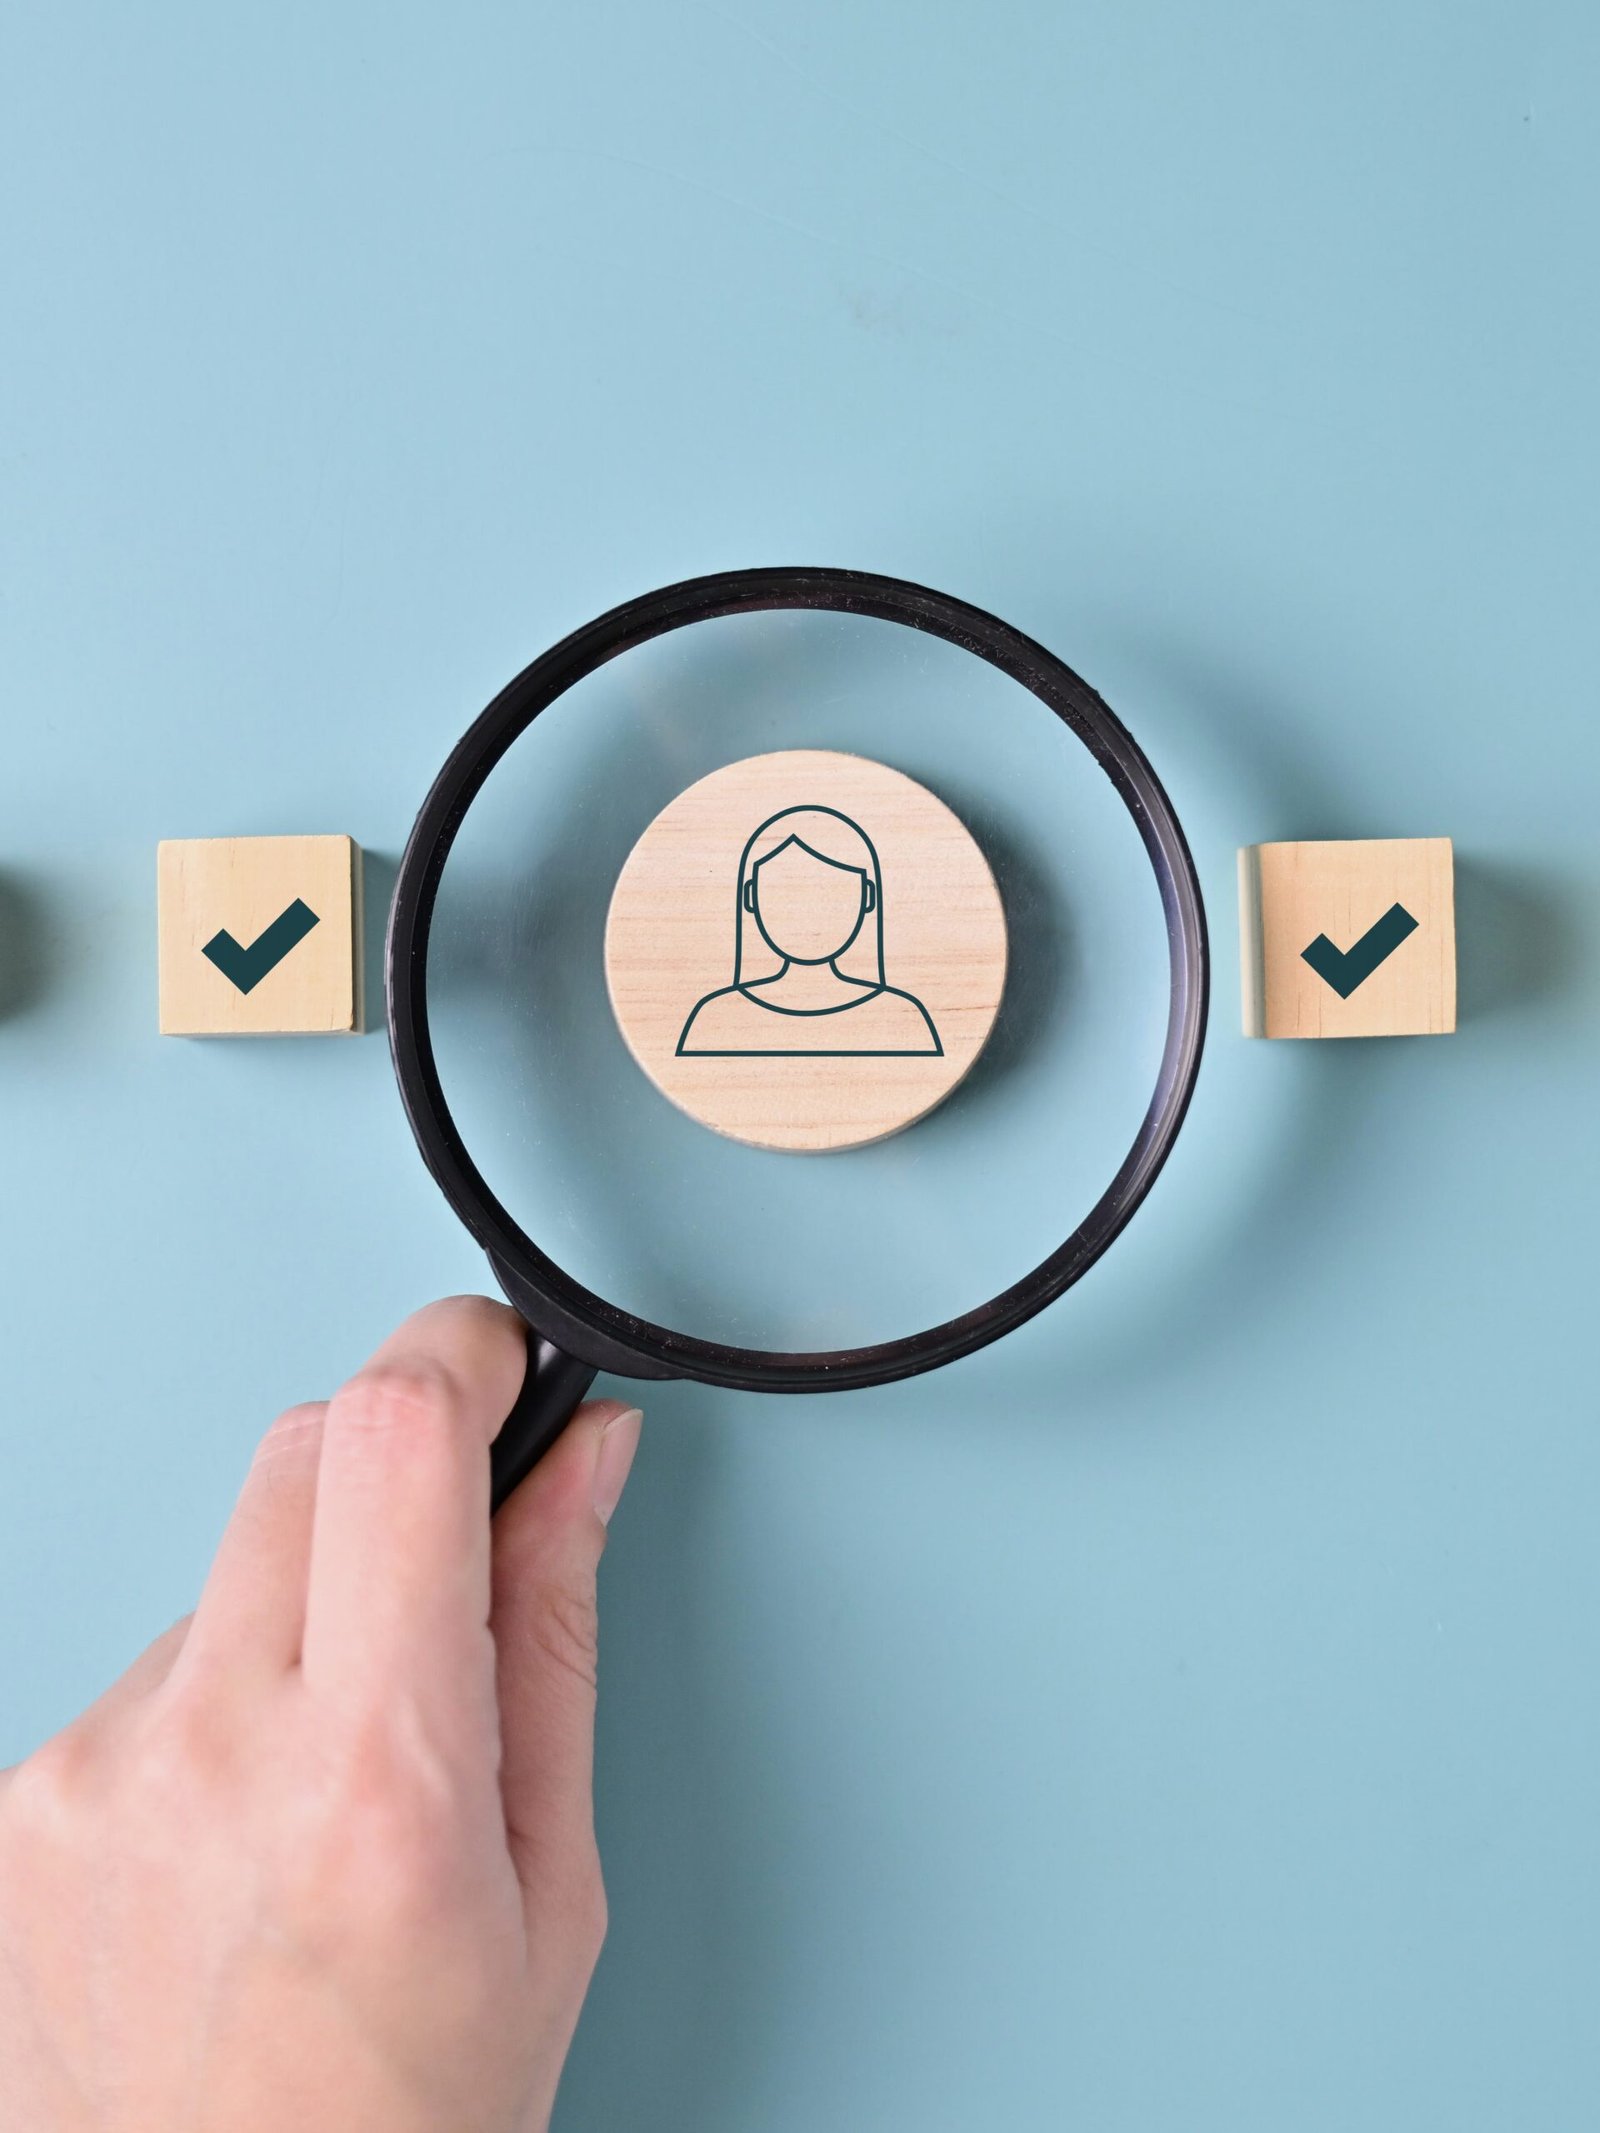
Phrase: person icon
x=808 y=975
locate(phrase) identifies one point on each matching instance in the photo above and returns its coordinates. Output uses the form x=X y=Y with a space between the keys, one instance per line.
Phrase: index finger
x=399 y=1582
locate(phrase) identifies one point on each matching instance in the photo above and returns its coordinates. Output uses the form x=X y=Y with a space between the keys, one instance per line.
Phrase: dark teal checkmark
x=246 y=967
x=1346 y=968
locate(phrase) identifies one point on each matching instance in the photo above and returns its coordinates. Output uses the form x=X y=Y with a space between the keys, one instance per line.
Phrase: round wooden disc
x=806 y=950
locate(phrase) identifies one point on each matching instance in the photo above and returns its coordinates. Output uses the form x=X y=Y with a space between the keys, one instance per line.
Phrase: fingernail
x=619 y=1440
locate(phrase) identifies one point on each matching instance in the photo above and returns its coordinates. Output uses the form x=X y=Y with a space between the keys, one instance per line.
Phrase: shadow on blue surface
x=1519 y=937
x=378 y=874
x=24 y=935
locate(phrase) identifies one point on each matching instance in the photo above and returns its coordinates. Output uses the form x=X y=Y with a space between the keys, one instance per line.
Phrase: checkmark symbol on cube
x=1347 y=968
x=246 y=967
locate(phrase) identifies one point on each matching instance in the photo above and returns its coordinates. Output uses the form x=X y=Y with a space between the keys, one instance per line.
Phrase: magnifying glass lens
x=753 y=1246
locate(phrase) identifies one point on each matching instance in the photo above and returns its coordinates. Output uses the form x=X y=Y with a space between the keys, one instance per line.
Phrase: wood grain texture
x=1289 y=894
x=725 y=965
x=242 y=886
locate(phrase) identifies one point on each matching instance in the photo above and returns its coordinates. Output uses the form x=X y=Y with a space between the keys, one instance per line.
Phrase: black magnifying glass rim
x=562 y=1309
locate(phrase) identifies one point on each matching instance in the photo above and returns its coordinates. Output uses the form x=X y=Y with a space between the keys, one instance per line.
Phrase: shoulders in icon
x=883 y=1023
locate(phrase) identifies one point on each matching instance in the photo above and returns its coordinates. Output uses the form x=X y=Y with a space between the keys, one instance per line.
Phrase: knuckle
x=488 y=1315
x=291 y=1429
x=47 y=1793
x=564 y=1628
x=184 y=1746
x=591 y=1916
x=416 y=1398
x=173 y=1638
x=566 y=1890
x=380 y=1831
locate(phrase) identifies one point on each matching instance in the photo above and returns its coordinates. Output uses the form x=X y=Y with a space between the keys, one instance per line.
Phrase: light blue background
x=1188 y=1714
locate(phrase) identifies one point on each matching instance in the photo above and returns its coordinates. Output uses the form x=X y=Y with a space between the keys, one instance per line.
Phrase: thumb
x=547 y=1541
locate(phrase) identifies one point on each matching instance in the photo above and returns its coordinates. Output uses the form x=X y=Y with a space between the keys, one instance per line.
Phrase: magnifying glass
x=704 y=907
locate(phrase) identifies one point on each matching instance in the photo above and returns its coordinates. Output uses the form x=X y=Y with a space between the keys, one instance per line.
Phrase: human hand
x=323 y=1860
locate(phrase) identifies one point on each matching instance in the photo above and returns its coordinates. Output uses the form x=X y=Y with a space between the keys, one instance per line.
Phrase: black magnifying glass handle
x=552 y=1387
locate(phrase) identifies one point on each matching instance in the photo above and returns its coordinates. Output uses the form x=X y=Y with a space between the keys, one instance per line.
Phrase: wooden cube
x=259 y=935
x=1348 y=939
